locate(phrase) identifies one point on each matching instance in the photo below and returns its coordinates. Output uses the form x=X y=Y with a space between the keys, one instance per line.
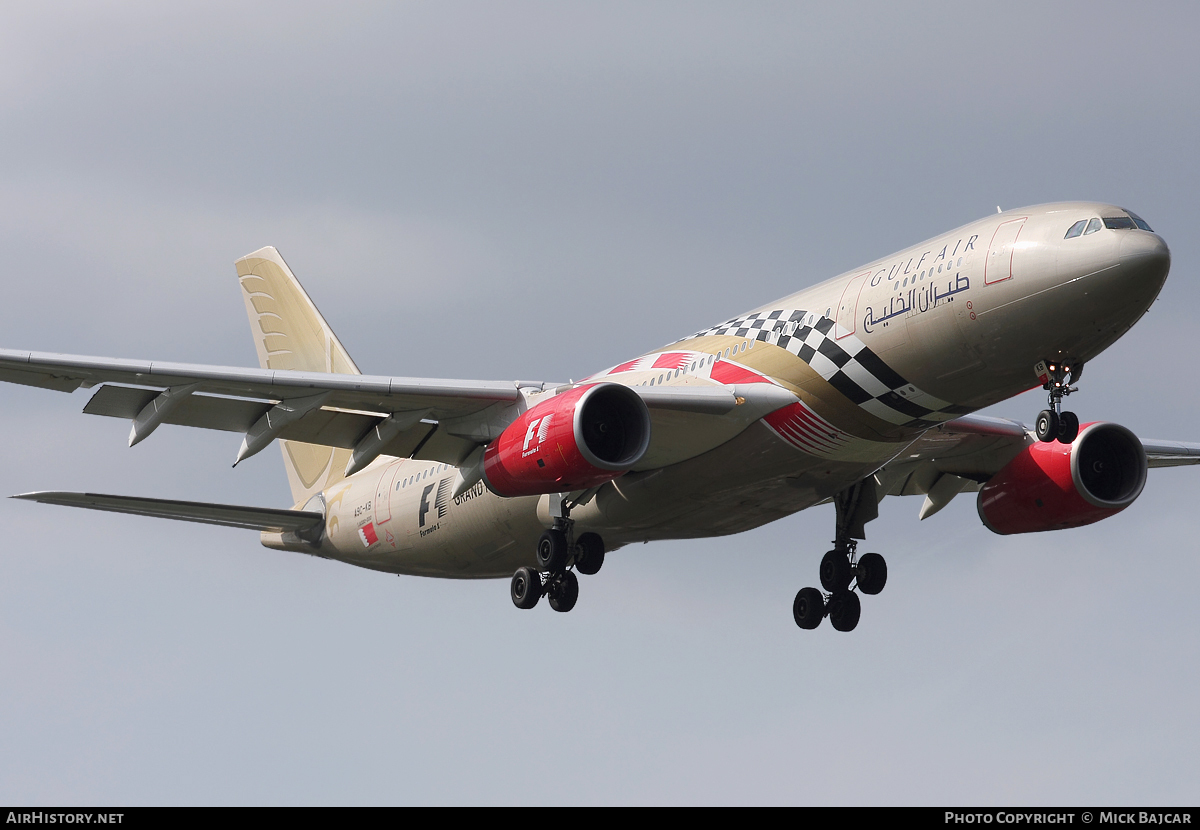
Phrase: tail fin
x=289 y=333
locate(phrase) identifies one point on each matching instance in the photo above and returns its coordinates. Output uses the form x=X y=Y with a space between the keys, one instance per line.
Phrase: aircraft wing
x=431 y=419
x=228 y=515
x=369 y=392
x=960 y=455
x=1170 y=453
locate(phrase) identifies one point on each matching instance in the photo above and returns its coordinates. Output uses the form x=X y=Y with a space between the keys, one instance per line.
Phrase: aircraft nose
x=1145 y=261
x=1146 y=251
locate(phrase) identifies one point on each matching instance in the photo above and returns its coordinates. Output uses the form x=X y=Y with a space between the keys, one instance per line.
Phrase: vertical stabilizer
x=289 y=333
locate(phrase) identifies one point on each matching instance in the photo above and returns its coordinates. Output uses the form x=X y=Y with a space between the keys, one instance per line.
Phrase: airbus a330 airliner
x=844 y=392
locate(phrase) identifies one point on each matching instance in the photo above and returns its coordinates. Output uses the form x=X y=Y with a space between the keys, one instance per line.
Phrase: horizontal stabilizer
x=271 y=519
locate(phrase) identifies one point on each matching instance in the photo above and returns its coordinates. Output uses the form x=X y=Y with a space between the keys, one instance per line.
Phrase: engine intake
x=575 y=440
x=1057 y=486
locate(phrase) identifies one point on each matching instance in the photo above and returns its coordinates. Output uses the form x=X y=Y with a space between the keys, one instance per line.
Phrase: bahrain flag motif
x=368 y=535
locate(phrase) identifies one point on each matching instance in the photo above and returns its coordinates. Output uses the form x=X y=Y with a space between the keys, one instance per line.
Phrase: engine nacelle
x=1056 y=486
x=574 y=441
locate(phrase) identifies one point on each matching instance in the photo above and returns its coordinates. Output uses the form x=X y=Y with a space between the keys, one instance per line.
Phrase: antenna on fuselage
x=998 y=210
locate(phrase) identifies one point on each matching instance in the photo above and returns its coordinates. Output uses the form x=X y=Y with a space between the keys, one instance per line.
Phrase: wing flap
x=44 y=380
x=119 y=401
x=330 y=428
x=972 y=455
x=327 y=427
x=442 y=446
x=206 y=411
x=270 y=519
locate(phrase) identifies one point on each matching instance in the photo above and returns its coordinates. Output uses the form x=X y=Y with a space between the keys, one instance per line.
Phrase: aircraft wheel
x=872 y=573
x=552 y=551
x=1068 y=427
x=808 y=609
x=589 y=553
x=525 y=588
x=564 y=592
x=835 y=571
x=844 y=610
x=1046 y=426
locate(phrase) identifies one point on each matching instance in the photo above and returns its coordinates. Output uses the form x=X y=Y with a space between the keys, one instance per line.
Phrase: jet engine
x=576 y=440
x=1056 y=486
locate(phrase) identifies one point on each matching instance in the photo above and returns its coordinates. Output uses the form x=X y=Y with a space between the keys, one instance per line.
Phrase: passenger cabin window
x=1076 y=229
x=1119 y=223
x=1092 y=226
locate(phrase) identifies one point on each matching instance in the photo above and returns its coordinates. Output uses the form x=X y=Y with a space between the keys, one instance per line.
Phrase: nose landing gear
x=1053 y=424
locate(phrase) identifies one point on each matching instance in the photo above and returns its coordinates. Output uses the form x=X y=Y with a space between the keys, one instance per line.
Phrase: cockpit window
x=1119 y=223
x=1092 y=227
x=1075 y=229
x=1139 y=221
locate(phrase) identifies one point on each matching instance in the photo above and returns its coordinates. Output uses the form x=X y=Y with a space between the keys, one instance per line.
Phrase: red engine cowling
x=574 y=441
x=1057 y=486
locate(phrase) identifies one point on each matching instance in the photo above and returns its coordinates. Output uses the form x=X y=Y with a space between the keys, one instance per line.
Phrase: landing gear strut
x=1053 y=424
x=557 y=551
x=840 y=567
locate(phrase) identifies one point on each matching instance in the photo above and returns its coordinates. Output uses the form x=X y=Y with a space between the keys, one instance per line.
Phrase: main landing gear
x=841 y=567
x=1053 y=424
x=558 y=550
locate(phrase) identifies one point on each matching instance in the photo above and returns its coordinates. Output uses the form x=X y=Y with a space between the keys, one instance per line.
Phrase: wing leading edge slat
x=367 y=392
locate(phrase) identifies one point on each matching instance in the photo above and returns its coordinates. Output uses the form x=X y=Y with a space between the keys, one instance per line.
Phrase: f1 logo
x=441 y=502
x=424 y=504
x=529 y=433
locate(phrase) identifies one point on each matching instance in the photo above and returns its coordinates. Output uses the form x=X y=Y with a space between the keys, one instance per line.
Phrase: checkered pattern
x=848 y=365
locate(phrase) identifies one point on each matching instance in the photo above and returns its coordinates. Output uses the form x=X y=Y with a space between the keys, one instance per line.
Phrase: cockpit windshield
x=1139 y=221
x=1118 y=222
x=1082 y=228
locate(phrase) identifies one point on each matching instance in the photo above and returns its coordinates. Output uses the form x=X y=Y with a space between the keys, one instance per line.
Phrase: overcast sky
x=523 y=190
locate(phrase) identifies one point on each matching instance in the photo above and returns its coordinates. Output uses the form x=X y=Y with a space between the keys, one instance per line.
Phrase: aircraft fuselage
x=876 y=357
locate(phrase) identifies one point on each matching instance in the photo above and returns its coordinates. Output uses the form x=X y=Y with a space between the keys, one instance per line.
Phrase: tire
x=1046 y=426
x=844 y=610
x=872 y=573
x=808 y=609
x=525 y=588
x=1068 y=427
x=589 y=554
x=835 y=571
x=564 y=592
x=552 y=551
